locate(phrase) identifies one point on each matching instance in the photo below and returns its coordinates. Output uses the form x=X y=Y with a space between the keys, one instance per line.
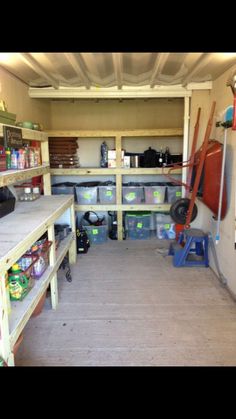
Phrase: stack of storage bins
x=154 y=193
x=165 y=227
x=107 y=193
x=138 y=225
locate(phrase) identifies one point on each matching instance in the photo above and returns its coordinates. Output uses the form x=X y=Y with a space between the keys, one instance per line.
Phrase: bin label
x=178 y=193
x=166 y=226
x=130 y=196
x=95 y=231
x=156 y=193
x=139 y=225
x=87 y=195
x=108 y=193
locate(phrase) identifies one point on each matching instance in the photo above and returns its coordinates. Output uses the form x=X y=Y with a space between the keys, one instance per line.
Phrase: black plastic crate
x=7 y=201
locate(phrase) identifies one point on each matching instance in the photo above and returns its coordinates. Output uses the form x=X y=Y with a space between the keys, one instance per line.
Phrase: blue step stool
x=191 y=249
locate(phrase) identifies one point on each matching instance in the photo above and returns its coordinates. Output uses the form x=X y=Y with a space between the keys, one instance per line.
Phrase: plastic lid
x=15 y=267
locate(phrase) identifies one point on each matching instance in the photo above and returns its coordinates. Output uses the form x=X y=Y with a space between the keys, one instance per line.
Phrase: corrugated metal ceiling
x=115 y=69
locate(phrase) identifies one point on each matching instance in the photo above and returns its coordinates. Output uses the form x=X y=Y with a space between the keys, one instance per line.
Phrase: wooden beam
x=63 y=92
x=198 y=66
x=90 y=171
x=158 y=67
x=32 y=63
x=159 y=132
x=76 y=64
x=117 y=63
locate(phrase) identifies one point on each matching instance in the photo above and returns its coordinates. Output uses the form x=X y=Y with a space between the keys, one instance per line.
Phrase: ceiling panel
x=87 y=69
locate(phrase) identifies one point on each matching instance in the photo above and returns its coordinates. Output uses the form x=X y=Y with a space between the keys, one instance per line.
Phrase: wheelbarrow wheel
x=178 y=210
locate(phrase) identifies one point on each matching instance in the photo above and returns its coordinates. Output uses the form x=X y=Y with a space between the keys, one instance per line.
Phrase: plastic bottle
x=27 y=195
x=18 y=283
x=31 y=157
x=36 y=192
x=166 y=157
x=7 y=293
x=21 y=159
x=8 y=158
x=160 y=158
x=13 y=159
x=104 y=155
x=27 y=158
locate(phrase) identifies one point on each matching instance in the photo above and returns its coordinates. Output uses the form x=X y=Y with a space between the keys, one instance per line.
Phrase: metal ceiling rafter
x=117 y=63
x=158 y=66
x=31 y=62
x=201 y=63
x=78 y=65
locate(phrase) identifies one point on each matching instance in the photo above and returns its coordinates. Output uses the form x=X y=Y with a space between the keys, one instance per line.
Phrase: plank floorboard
x=127 y=305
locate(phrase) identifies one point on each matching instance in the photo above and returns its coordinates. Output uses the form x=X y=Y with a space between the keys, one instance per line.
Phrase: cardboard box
x=112 y=158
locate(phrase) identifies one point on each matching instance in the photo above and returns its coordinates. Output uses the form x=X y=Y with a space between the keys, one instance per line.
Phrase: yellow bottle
x=7 y=294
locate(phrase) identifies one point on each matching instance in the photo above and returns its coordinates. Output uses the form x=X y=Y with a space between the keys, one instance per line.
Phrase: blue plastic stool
x=194 y=252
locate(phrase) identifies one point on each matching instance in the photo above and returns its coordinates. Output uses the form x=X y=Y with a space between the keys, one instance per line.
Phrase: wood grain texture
x=127 y=305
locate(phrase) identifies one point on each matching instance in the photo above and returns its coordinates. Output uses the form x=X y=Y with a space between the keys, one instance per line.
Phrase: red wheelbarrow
x=203 y=178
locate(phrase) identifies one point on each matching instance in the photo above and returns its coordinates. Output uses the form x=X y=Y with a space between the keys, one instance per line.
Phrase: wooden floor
x=127 y=305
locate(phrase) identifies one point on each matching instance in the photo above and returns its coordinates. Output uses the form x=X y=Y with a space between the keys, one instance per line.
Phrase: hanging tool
x=226 y=124
x=221 y=277
x=232 y=83
x=178 y=210
x=191 y=160
x=200 y=167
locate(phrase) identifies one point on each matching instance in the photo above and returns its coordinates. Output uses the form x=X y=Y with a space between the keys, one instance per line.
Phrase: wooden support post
x=119 y=189
x=53 y=283
x=5 y=349
x=72 y=249
x=45 y=161
x=120 y=225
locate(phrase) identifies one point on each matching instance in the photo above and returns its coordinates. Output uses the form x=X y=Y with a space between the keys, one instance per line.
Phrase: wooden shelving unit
x=118 y=172
x=18 y=231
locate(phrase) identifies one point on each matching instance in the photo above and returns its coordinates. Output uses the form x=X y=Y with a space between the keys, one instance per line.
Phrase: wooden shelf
x=118 y=172
x=162 y=132
x=10 y=177
x=93 y=171
x=27 y=134
x=26 y=224
x=123 y=207
x=22 y=310
x=18 y=231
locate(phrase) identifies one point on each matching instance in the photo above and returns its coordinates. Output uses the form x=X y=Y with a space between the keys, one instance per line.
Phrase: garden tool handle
x=234 y=114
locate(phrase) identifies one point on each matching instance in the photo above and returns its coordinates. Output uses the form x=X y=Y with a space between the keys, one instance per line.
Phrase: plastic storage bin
x=165 y=228
x=65 y=188
x=107 y=194
x=96 y=234
x=87 y=192
x=154 y=193
x=174 y=192
x=132 y=194
x=138 y=225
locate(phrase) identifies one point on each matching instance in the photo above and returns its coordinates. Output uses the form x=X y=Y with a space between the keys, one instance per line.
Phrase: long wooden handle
x=234 y=115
